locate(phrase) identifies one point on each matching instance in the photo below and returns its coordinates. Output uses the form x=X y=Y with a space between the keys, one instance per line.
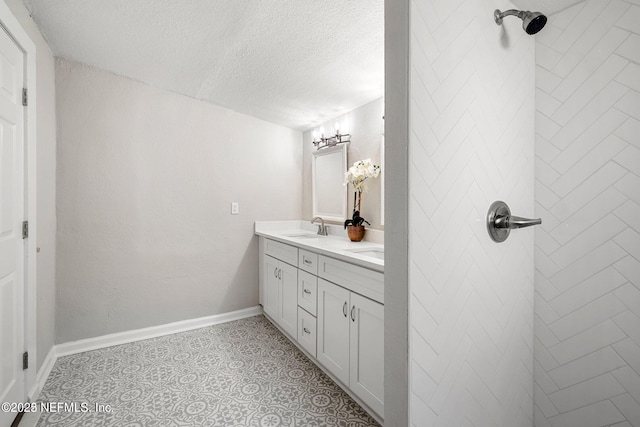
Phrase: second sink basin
x=377 y=253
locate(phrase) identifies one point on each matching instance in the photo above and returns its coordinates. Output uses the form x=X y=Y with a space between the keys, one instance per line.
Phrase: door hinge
x=25 y=99
x=25 y=360
x=25 y=229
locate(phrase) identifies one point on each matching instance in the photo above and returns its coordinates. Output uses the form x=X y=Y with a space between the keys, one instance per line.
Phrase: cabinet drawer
x=308 y=261
x=286 y=253
x=353 y=277
x=307 y=331
x=307 y=291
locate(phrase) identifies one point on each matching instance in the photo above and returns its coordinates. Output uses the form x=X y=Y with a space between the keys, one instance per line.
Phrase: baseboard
x=43 y=374
x=152 y=332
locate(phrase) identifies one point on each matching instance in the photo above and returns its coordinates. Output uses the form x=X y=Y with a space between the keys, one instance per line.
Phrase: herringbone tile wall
x=471 y=143
x=587 y=307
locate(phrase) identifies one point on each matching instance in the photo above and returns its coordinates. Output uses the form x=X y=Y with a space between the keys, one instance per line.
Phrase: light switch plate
x=235 y=209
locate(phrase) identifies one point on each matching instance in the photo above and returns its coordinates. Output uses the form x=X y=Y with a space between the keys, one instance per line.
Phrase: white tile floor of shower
x=242 y=373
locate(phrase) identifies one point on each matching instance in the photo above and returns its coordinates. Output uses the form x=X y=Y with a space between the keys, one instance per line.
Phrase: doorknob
x=500 y=222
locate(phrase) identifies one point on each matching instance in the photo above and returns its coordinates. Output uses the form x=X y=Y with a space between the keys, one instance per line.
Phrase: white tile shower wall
x=471 y=143
x=587 y=307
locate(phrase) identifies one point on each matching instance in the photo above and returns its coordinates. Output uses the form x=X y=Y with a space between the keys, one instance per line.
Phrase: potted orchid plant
x=357 y=175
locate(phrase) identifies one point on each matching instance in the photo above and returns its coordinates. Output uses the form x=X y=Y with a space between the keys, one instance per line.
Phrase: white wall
x=587 y=323
x=366 y=126
x=46 y=176
x=471 y=142
x=145 y=182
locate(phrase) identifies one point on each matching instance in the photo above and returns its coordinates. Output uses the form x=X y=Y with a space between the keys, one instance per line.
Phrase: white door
x=271 y=284
x=288 y=319
x=11 y=216
x=333 y=329
x=366 y=377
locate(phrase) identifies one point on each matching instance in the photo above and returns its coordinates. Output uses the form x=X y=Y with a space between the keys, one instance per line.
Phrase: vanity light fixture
x=321 y=141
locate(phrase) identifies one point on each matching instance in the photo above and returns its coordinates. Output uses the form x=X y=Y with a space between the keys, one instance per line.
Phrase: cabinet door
x=366 y=373
x=308 y=292
x=271 y=287
x=333 y=329
x=288 y=314
x=307 y=331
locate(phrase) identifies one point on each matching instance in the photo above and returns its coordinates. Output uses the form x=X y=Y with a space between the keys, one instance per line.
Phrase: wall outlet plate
x=235 y=208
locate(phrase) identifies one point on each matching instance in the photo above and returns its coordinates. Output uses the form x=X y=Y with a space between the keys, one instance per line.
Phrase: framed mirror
x=329 y=196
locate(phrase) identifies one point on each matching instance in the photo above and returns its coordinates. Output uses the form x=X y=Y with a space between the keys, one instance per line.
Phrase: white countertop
x=302 y=234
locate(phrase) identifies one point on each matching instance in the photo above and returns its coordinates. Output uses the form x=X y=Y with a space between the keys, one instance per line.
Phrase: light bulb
x=314 y=134
x=322 y=131
x=337 y=127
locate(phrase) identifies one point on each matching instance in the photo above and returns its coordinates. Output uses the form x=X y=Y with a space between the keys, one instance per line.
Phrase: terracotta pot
x=355 y=232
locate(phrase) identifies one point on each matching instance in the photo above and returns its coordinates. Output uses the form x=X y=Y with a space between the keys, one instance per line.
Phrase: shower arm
x=497 y=15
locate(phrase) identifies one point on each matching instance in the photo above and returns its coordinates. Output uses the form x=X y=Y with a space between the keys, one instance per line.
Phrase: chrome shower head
x=532 y=22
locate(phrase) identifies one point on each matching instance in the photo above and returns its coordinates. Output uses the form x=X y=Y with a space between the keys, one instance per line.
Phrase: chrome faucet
x=323 y=230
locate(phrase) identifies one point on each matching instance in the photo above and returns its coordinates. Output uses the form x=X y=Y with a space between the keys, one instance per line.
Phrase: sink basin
x=377 y=253
x=301 y=235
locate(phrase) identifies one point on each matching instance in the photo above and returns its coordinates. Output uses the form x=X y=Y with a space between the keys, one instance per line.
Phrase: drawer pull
x=275 y=272
x=353 y=315
x=307 y=291
x=308 y=261
x=344 y=309
x=306 y=331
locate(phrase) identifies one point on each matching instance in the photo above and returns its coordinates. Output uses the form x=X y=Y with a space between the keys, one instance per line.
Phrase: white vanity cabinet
x=333 y=310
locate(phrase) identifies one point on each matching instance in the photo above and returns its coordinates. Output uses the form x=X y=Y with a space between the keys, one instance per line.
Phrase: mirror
x=329 y=194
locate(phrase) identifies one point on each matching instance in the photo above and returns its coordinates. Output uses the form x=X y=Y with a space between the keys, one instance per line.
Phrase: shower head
x=532 y=22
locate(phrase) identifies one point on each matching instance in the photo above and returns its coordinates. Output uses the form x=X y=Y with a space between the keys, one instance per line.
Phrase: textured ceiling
x=548 y=7
x=296 y=63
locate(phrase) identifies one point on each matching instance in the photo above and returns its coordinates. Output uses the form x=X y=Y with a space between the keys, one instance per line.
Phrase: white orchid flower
x=360 y=172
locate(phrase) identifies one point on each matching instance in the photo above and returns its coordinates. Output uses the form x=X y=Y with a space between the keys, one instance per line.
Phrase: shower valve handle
x=500 y=222
x=513 y=221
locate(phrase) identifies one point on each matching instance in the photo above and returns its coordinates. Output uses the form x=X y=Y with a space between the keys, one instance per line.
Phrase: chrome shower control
x=500 y=222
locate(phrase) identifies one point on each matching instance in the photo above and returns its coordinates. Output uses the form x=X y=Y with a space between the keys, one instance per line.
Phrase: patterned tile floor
x=237 y=374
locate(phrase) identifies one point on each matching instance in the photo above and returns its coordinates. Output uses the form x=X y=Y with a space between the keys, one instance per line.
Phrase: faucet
x=323 y=230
